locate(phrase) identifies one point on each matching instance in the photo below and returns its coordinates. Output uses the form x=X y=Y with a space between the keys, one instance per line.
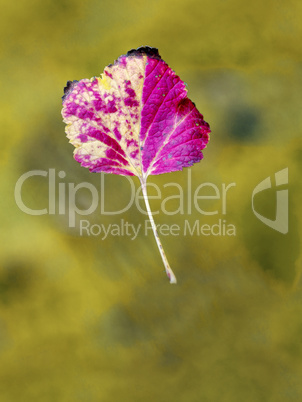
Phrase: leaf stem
x=168 y=269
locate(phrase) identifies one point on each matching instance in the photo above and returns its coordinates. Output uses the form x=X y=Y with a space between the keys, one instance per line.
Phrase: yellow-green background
x=83 y=319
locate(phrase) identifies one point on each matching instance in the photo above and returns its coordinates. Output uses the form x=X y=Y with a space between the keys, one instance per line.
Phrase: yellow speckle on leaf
x=104 y=82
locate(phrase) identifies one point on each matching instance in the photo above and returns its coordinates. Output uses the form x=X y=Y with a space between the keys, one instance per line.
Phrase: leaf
x=136 y=119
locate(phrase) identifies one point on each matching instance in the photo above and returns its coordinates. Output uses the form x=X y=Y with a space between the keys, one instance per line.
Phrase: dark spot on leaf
x=145 y=50
x=69 y=88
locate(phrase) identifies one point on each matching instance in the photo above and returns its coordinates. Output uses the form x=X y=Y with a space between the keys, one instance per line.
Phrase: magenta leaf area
x=136 y=119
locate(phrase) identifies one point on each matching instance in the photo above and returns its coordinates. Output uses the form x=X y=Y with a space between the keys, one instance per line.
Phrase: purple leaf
x=136 y=119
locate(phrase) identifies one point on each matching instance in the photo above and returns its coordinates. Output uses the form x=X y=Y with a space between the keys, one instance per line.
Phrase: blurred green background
x=83 y=319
